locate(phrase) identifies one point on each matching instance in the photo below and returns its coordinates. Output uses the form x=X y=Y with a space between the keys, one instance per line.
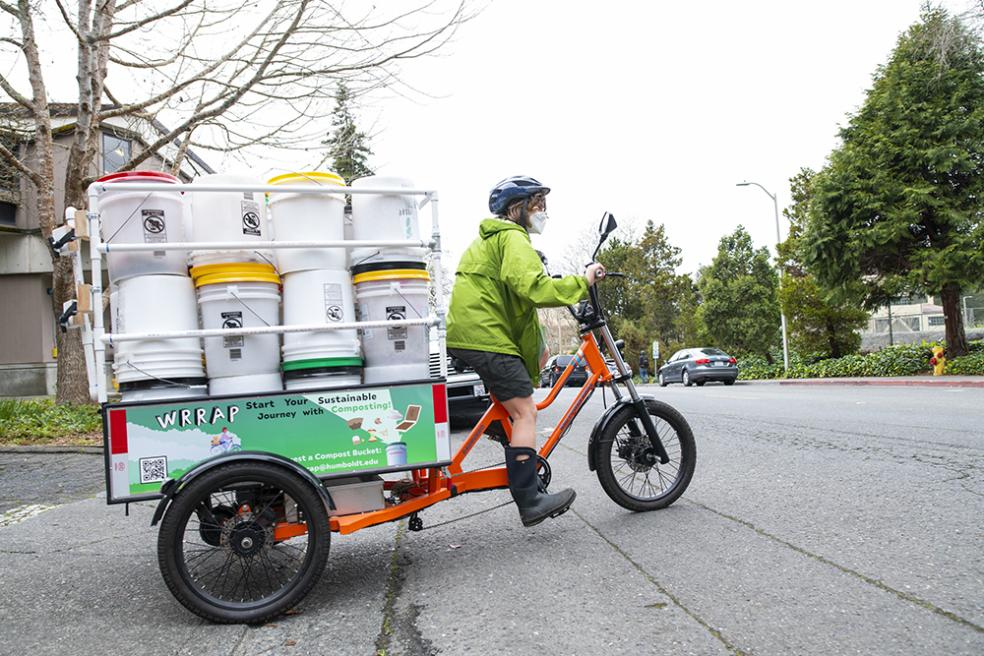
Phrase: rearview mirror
x=607 y=225
x=605 y=228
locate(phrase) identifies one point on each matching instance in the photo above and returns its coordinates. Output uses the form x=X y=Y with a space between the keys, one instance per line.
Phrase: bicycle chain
x=416 y=524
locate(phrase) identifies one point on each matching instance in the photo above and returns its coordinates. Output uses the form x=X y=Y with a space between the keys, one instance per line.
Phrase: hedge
x=898 y=360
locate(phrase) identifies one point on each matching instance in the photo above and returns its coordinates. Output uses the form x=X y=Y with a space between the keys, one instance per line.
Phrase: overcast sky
x=649 y=110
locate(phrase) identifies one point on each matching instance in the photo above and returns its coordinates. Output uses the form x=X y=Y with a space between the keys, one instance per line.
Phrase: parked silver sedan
x=696 y=366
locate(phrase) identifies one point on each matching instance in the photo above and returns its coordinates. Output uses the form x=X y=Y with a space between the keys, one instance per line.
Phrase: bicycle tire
x=682 y=452
x=199 y=594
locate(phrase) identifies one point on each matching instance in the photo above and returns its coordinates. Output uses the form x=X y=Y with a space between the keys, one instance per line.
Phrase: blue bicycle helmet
x=512 y=189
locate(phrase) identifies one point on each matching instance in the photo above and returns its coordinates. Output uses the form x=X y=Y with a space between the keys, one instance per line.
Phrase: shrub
x=967 y=365
x=45 y=421
x=898 y=360
x=756 y=367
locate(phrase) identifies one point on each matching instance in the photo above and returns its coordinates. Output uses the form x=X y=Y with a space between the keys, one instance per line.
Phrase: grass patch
x=44 y=422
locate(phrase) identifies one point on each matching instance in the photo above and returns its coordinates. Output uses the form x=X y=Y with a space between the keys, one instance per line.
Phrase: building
x=912 y=319
x=27 y=320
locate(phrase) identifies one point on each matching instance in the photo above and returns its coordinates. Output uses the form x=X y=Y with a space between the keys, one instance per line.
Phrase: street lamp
x=782 y=315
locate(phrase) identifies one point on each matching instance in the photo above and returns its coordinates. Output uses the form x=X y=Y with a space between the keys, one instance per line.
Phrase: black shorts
x=505 y=376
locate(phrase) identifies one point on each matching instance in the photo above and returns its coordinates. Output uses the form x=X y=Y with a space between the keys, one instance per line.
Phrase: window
x=116 y=152
x=8 y=214
x=712 y=351
x=9 y=176
x=938 y=320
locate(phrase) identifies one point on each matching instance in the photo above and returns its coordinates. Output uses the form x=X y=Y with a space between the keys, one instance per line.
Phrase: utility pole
x=782 y=315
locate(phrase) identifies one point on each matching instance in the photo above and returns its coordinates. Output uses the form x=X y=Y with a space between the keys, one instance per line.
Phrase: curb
x=88 y=450
x=886 y=382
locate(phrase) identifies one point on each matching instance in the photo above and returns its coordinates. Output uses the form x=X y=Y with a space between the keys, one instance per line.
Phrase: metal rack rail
x=94 y=336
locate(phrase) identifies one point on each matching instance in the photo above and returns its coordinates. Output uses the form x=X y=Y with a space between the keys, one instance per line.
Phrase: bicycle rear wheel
x=627 y=466
x=219 y=552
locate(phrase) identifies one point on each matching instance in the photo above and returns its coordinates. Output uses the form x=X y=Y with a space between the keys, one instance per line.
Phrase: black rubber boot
x=534 y=506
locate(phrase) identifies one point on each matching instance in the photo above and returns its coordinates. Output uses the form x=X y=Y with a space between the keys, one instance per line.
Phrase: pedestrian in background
x=643 y=367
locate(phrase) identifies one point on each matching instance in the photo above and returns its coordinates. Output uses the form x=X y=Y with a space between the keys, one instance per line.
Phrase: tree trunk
x=956 y=339
x=73 y=378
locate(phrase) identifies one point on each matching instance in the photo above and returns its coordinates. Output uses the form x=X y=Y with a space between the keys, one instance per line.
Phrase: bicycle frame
x=430 y=486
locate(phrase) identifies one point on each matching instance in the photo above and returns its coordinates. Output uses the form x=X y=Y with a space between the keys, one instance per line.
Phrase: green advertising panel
x=331 y=433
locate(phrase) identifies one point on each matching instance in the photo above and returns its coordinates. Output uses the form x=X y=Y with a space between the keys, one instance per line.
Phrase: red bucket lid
x=139 y=176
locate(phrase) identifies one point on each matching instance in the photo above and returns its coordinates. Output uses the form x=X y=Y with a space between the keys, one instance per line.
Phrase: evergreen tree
x=820 y=324
x=898 y=208
x=646 y=304
x=739 y=291
x=348 y=148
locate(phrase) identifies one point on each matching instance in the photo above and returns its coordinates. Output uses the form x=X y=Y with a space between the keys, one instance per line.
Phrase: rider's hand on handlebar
x=594 y=272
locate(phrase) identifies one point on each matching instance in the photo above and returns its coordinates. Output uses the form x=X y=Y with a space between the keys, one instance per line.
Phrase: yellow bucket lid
x=390 y=274
x=214 y=274
x=308 y=177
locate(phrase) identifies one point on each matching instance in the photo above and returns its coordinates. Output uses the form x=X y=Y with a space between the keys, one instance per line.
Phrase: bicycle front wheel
x=629 y=470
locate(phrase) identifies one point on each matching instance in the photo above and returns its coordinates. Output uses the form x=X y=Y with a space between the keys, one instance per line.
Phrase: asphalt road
x=821 y=520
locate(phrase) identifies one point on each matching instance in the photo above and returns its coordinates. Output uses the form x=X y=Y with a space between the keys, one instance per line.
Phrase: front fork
x=640 y=404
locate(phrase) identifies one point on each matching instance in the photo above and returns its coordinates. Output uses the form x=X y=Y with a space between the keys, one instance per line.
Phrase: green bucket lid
x=322 y=363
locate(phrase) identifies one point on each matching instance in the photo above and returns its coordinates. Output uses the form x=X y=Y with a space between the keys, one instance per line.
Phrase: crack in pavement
x=905 y=596
x=240 y=641
x=393 y=584
x=907 y=440
x=399 y=628
x=731 y=647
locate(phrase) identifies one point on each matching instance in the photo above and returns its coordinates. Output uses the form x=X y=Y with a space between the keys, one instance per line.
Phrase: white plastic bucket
x=142 y=217
x=319 y=296
x=385 y=217
x=305 y=217
x=229 y=216
x=396 y=454
x=322 y=381
x=252 y=384
x=163 y=393
x=240 y=295
x=156 y=303
x=393 y=355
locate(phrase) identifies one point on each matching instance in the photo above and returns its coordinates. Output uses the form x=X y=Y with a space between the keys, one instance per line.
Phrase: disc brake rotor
x=637 y=454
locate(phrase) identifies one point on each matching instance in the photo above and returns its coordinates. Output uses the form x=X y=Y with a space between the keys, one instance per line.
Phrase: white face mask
x=537 y=221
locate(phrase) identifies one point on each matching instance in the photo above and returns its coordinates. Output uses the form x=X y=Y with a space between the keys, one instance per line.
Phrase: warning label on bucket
x=232 y=320
x=396 y=313
x=251 y=218
x=333 y=302
x=154 y=226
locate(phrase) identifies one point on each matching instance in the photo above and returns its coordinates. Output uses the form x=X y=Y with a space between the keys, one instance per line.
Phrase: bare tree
x=581 y=248
x=224 y=75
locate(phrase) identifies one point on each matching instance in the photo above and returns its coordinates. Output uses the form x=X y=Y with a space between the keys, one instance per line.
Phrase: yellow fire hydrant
x=938 y=360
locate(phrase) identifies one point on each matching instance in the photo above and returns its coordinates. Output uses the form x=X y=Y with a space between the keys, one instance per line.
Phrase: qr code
x=153 y=470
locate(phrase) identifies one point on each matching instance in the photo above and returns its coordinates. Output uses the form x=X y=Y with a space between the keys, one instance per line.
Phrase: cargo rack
x=86 y=311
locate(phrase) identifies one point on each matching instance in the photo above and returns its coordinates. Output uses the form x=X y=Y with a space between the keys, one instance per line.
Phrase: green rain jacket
x=498 y=286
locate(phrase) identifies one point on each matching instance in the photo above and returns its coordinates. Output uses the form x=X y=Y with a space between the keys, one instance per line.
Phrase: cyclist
x=493 y=325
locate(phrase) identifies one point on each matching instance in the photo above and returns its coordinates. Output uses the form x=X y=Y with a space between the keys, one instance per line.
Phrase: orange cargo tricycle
x=251 y=486
x=246 y=538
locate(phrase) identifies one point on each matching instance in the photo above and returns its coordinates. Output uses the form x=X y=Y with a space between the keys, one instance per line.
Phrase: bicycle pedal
x=497 y=433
